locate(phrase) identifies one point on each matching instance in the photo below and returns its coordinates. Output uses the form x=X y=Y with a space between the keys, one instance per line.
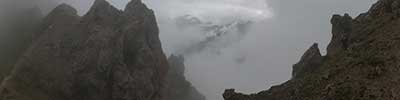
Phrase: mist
x=261 y=58
x=276 y=34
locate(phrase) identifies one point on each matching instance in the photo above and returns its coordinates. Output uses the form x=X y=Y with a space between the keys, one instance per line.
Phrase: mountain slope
x=178 y=87
x=362 y=62
x=106 y=54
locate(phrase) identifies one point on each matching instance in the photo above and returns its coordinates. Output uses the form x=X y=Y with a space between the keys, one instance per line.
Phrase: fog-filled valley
x=249 y=45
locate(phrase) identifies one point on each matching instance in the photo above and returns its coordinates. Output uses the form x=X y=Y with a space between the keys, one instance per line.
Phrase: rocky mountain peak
x=100 y=4
x=341 y=29
x=311 y=53
x=59 y=18
x=60 y=12
x=137 y=8
x=310 y=60
x=65 y=9
x=100 y=56
x=102 y=12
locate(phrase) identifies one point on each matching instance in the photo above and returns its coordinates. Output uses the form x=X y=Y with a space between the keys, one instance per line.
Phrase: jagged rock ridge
x=362 y=62
x=106 y=54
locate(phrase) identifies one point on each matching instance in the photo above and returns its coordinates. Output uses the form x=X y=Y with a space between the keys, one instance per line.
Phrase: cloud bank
x=264 y=56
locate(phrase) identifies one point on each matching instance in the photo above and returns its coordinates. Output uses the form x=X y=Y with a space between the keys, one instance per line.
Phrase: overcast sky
x=282 y=31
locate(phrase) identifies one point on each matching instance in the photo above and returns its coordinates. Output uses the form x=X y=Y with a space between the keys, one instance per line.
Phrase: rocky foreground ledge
x=362 y=62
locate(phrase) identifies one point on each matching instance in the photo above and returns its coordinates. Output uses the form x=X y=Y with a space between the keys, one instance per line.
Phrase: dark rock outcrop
x=341 y=28
x=230 y=94
x=362 y=62
x=310 y=61
x=384 y=8
x=106 y=54
x=178 y=87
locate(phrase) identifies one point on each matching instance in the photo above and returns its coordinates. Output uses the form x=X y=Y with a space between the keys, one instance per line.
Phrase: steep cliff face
x=311 y=60
x=362 y=62
x=106 y=54
x=178 y=87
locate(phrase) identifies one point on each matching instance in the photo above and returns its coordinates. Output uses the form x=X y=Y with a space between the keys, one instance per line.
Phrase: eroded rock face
x=385 y=7
x=361 y=64
x=341 y=29
x=178 y=87
x=310 y=61
x=107 y=54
